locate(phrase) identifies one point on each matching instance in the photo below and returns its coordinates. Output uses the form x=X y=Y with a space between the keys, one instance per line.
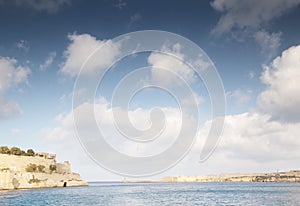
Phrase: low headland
x=290 y=176
x=30 y=170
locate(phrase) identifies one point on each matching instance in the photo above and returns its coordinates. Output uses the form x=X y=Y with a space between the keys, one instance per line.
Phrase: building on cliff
x=46 y=155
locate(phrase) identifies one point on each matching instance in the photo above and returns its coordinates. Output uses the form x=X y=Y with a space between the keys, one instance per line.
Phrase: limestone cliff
x=26 y=172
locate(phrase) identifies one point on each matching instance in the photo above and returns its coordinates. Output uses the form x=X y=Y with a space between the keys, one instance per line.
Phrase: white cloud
x=269 y=43
x=23 y=45
x=39 y=5
x=281 y=98
x=10 y=75
x=250 y=141
x=262 y=140
x=252 y=138
x=140 y=119
x=161 y=62
x=237 y=14
x=63 y=142
x=258 y=138
x=170 y=64
x=201 y=63
x=240 y=96
x=79 y=50
x=49 y=60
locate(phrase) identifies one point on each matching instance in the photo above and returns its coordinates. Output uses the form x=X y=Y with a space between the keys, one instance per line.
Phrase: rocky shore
x=41 y=171
x=28 y=180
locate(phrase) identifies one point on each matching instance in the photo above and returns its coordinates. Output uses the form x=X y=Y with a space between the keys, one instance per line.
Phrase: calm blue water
x=160 y=194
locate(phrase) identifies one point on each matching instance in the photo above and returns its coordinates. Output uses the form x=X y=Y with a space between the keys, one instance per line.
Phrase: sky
x=48 y=67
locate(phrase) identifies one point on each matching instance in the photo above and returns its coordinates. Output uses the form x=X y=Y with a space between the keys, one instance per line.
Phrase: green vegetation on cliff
x=16 y=151
x=35 y=168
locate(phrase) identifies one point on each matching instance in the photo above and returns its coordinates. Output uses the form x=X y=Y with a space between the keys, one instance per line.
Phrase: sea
x=118 y=193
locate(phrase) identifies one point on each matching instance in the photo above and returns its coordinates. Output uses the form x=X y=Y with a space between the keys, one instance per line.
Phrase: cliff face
x=14 y=173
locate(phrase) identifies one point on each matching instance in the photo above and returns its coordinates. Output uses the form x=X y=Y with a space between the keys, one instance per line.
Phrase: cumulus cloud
x=237 y=14
x=256 y=137
x=281 y=96
x=11 y=74
x=80 y=49
x=170 y=60
x=49 y=6
x=140 y=119
x=251 y=138
x=165 y=61
x=259 y=140
x=104 y=115
x=267 y=138
x=270 y=135
x=269 y=43
x=48 y=62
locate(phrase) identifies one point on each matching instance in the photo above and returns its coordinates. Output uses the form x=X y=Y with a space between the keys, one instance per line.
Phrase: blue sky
x=41 y=40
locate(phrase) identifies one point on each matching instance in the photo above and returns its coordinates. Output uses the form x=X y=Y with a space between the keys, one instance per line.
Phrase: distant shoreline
x=289 y=176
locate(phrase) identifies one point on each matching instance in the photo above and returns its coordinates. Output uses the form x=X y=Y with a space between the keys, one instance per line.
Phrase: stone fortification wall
x=19 y=163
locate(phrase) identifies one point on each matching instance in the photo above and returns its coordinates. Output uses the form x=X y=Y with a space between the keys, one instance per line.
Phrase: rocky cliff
x=24 y=172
